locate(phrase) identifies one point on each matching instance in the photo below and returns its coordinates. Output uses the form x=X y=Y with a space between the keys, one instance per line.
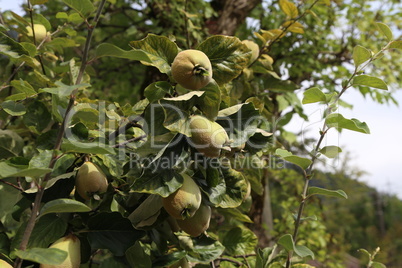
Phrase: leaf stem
x=41 y=188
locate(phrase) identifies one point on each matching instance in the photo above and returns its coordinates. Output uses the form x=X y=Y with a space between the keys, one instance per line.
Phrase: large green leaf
x=110 y=50
x=86 y=147
x=47 y=230
x=228 y=56
x=112 y=231
x=9 y=47
x=239 y=241
x=395 y=44
x=162 y=183
x=64 y=205
x=210 y=101
x=205 y=250
x=313 y=95
x=157 y=90
x=7 y=171
x=137 y=258
x=338 y=121
x=83 y=7
x=230 y=190
x=50 y=256
x=369 y=81
x=13 y=108
x=23 y=87
x=147 y=213
x=360 y=55
x=240 y=121
x=63 y=90
x=160 y=50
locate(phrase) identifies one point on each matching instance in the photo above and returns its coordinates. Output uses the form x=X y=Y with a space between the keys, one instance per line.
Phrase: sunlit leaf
x=302 y=162
x=239 y=240
x=64 y=205
x=313 y=95
x=110 y=50
x=228 y=56
x=160 y=51
x=360 y=55
x=385 y=30
x=289 y=8
x=287 y=242
x=321 y=191
x=83 y=7
x=331 y=151
x=13 y=108
x=395 y=45
x=370 y=81
x=338 y=121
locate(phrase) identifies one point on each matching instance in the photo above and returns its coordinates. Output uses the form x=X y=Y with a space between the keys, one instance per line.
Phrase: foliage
x=99 y=88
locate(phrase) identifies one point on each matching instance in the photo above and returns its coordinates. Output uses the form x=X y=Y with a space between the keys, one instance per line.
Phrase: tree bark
x=232 y=13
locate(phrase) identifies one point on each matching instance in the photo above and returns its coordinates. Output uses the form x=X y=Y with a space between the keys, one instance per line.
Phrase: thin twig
x=12 y=185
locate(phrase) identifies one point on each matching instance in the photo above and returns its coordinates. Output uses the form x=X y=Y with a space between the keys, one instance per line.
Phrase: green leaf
x=239 y=241
x=289 y=8
x=360 y=55
x=13 y=108
x=147 y=212
x=321 y=191
x=228 y=56
x=137 y=258
x=110 y=50
x=210 y=101
x=64 y=205
x=50 y=256
x=160 y=183
x=395 y=45
x=63 y=90
x=83 y=7
x=157 y=90
x=159 y=49
x=23 y=87
x=302 y=162
x=240 y=121
x=385 y=30
x=287 y=242
x=47 y=230
x=112 y=231
x=313 y=95
x=236 y=214
x=205 y=250
x=11 y=144
x=369 y=81
x=331 y=151
x=375 y=264
x=7 y=171
x=338 y=121
x=86 y=147
x=230 y=191
x=38 y=2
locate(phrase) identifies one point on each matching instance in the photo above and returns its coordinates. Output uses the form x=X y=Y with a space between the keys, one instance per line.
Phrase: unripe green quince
x=72 y=245
x=40 y=32
x=185 y=201
x=192 y=69
x=197 y=224
x=4 y=264
x=90 y=180
x=207 y=137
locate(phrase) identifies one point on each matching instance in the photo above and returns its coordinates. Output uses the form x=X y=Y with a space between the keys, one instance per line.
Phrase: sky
x=378 y=154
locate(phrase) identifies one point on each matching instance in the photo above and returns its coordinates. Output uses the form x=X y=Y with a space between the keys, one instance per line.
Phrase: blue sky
x=378 y=153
